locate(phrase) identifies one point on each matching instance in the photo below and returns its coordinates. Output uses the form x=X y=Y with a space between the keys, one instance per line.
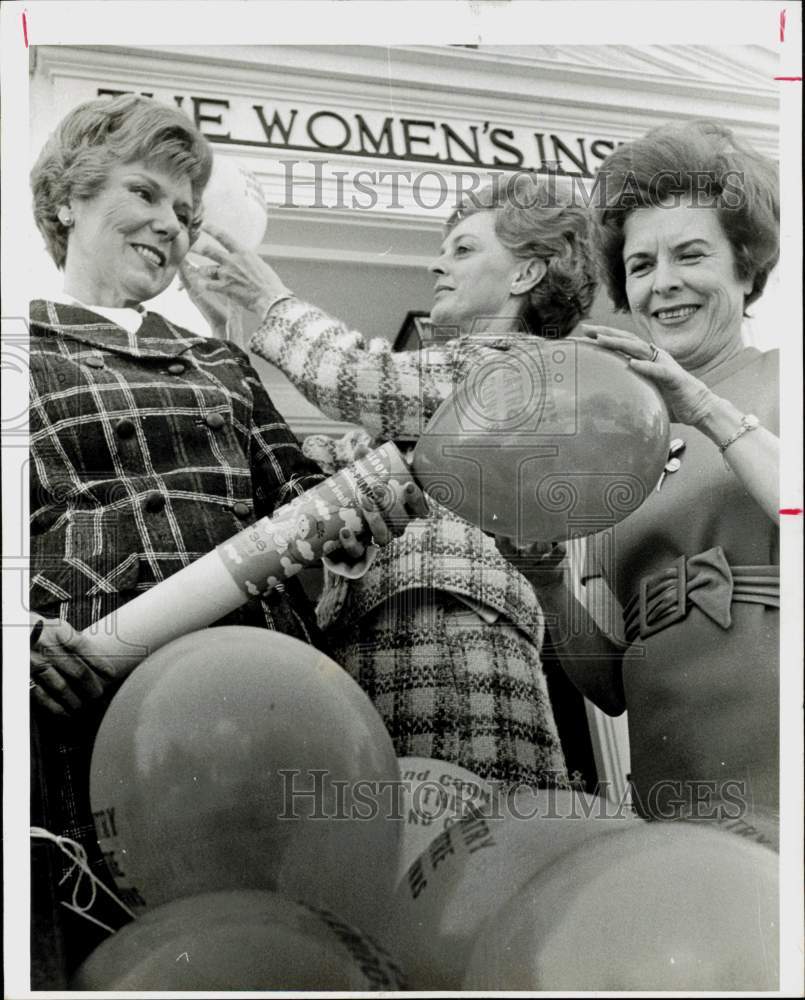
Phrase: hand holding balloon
x=547 y=440
x=238 y=273
x=688 y=399
x=214 y=308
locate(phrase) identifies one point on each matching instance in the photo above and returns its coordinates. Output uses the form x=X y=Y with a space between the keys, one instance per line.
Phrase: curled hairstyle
x=100 y=134
x=533 y=220
x=702 y=161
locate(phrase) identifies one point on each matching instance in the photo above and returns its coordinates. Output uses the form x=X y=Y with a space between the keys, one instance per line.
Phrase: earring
x=65 y=217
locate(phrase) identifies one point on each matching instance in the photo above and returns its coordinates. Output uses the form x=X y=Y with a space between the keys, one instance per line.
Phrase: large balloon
x=238 y=758
x=234 y=201
x=467 y=874
x=668 y=906
x=243 y=940
x=549 y=440
x=435 y=796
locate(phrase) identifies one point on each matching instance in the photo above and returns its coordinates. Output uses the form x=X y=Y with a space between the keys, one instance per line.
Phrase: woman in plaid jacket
x=443 y=633
x=149 y=445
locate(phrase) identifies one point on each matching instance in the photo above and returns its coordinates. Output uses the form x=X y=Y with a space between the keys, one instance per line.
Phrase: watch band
x=749 y=422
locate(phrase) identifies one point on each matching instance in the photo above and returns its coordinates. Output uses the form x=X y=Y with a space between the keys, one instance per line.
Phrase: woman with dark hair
x=686 y=229
x=149 y=445
x=442 y=633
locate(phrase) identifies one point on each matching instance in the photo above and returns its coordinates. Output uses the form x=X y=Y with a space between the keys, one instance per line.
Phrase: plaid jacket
x=147 y=450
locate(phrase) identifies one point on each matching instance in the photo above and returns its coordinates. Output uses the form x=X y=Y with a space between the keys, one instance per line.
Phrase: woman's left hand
x=238 y=273
x=688 y=399
x=65 y=679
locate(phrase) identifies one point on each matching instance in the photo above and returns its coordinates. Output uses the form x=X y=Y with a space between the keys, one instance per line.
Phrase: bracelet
x=287 y=294
x=749 y=422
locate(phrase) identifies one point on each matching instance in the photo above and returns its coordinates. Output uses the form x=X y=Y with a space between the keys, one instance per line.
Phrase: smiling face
x=475 y=272
x=128 y=240
x=681 y=283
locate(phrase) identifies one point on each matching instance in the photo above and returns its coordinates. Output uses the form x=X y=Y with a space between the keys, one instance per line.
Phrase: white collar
x=131 y=319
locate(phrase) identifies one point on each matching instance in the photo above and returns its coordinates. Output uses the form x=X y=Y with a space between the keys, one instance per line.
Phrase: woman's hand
x=543 y=564
x=237 y=274
x=390 y=506
x=331 y=454
x=63 y=680
x=754 y=458
x=213 y=307
x=386 y=511
x=688 y=399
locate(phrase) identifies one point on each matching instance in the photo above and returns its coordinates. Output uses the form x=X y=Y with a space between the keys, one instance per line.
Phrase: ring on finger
x=655 y=352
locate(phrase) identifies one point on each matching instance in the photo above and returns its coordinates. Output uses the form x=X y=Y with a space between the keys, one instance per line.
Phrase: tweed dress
x=147 y=450
x=441 y=632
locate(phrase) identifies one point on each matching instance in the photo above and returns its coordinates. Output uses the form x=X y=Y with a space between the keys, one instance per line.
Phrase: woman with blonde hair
x=442 y=632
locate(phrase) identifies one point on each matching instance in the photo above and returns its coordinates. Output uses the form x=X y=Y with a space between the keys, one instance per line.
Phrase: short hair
x=533 y=220
x=698 y=159
x=99 y=134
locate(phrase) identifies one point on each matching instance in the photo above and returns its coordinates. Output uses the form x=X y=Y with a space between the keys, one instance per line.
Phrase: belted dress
x=696 y=571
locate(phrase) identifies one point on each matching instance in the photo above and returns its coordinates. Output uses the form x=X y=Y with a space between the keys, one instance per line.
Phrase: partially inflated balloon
x=435 y=796
x=668 y=906
x=234 y=201
x=548 y=440
x=238 y=941
x=471 y=870
x=239 y=758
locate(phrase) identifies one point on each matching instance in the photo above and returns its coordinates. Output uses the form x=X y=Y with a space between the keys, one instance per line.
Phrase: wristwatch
x=749 y=422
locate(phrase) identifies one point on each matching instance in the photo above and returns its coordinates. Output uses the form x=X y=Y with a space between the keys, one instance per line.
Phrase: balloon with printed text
x=435 y=795
x=468 y=872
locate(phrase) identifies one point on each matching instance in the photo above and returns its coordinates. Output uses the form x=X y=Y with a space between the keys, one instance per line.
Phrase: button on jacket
x=136 y=472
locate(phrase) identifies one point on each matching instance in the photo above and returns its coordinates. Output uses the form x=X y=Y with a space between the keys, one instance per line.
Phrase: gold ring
x=655 y=352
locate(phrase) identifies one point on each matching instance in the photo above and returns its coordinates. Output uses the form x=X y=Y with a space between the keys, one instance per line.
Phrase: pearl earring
x=65 y=218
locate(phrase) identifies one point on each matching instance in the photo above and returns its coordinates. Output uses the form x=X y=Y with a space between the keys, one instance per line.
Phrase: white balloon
x=663 y=906
x=234 y=201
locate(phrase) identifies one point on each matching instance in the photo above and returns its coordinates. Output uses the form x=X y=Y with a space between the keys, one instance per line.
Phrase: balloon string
x=78 y=855
x=87 y=916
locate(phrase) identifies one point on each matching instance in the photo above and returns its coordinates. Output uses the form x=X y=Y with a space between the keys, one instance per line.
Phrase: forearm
x=754 y=457
x=391 y=395
x=591 y=658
